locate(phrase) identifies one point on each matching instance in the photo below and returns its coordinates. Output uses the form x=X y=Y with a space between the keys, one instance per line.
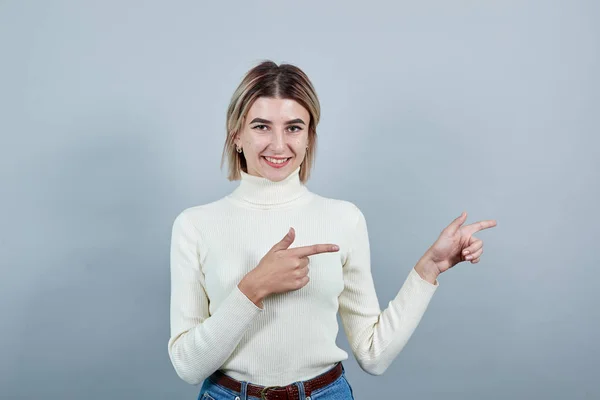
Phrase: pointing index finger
x=479 y=226
x=305 y=251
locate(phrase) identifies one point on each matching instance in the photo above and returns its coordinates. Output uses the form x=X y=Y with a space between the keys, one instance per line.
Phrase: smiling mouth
x=277 y=162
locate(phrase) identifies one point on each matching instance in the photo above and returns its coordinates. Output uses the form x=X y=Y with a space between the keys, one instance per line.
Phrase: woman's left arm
x=377 y=337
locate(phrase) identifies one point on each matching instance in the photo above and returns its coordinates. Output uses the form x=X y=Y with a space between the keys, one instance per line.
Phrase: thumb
x=458 y=222
x=287 y=240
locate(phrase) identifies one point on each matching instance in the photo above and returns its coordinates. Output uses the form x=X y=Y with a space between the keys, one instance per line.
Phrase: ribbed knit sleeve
x=377 y=337
x=200 y=343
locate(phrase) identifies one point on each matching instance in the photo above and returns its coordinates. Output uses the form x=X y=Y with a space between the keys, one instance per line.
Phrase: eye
x=298 y=129
x=259 y=127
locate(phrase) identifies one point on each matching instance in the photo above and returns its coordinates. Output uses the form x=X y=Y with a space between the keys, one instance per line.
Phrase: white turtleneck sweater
x=293 y=337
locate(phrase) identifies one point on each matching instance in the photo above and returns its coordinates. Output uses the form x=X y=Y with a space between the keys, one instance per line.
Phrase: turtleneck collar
x=261 y=192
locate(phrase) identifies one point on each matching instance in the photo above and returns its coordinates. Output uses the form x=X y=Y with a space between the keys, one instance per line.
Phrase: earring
x=238 y=149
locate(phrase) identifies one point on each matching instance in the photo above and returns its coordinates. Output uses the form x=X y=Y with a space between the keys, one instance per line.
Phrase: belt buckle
x=263 y=394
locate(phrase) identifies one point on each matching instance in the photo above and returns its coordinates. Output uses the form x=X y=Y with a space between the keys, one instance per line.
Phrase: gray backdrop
x=113 y=119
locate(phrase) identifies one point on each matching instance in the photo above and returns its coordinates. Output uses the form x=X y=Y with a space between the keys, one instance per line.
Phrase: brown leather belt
x=289 y=392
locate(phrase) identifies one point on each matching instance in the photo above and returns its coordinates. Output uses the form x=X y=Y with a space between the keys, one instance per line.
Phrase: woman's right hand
x=282 y=269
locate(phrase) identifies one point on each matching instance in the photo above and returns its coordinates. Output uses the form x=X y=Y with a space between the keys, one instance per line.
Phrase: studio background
x=113 y=121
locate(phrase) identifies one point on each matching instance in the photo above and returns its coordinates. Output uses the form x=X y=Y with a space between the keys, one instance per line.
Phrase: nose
x=278 y=141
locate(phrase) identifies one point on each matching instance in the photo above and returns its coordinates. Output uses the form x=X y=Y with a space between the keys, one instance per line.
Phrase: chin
x=277 y=174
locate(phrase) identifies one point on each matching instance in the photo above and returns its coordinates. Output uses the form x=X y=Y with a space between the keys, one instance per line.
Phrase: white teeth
x=275 y=161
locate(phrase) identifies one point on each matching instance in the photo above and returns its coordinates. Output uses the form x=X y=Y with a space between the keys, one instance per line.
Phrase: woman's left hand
x=456 y=243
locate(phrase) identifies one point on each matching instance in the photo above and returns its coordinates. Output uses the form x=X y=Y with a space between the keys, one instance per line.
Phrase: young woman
x=258 y=276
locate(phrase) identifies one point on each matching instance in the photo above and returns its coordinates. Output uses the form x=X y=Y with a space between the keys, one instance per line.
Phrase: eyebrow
x=266 y=121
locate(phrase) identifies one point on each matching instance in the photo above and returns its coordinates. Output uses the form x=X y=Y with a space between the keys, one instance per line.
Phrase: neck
x=260 y=192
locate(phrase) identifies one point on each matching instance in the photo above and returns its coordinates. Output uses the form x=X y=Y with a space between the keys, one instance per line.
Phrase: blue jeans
x=339 y=389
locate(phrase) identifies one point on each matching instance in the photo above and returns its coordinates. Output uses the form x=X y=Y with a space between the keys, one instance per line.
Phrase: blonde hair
x=267 y=79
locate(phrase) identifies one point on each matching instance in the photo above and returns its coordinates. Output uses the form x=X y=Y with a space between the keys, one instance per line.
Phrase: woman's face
x=274 y=137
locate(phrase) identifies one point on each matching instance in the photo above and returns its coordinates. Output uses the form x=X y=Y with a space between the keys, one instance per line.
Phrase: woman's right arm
x=200 y=343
